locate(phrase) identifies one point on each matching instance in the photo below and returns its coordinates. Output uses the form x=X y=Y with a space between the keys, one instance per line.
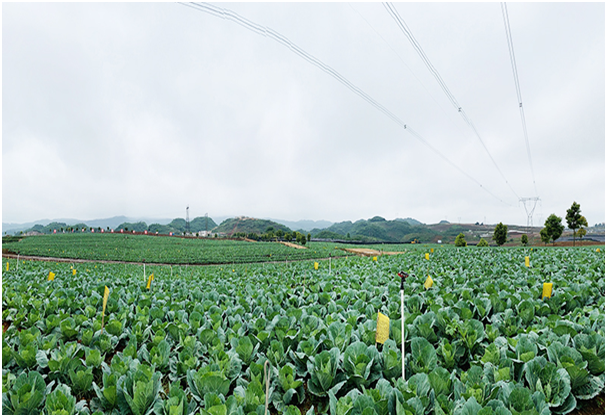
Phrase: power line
x=405 y=64
x=518 y=88
x=405 y=29
x=268 y=32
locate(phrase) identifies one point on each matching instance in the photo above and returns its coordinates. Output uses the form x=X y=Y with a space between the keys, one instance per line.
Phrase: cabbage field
x=164 y=249
x=480 y=340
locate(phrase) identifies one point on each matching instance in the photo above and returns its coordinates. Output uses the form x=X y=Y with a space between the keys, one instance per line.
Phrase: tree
x=524 y=240
x=280 y=233
x=575 y=220
x=288 y=236
x=581 y=233
x=309 y=237
x=460 y=240
x=500 y=234
x=482 y=243
x=545 y=236
x=554 y=227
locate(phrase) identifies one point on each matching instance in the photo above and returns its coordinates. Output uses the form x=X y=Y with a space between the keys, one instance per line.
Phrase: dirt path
x=293 y=245
x=368 y=252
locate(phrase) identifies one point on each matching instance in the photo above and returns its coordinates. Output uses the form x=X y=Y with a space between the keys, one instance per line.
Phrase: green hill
x=248 y=225
x=202 y=223
x=138 y=227
x=374 y=229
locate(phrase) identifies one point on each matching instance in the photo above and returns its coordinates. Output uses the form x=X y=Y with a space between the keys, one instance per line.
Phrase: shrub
x=460 y=240
x=482 y=243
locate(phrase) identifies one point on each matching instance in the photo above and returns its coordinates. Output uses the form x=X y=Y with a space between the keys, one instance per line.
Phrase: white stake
x=144 y=271
x=402 y=325
x=329 y=265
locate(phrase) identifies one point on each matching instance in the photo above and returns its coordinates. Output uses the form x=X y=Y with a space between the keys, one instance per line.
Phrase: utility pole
x=206 y=223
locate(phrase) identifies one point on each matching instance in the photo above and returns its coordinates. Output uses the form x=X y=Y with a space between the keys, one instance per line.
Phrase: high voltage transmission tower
x=529 y=210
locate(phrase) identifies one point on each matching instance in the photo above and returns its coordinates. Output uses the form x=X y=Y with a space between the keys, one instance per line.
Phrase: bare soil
x=368 y=252
x=594 y=407
x=293 y=245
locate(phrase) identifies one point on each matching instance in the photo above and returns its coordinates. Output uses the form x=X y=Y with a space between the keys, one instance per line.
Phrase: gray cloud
x=141 y=109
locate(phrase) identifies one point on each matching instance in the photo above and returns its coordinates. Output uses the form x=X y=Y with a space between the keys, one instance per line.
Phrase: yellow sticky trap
x=547 y=290
x=315 y=265
x=597 y=249
x=383 y=328
x=106 y=293
x=428 y=282
x=374 y=258
x=527 y=261
x=150 y=278
x=7 y=266
x=51 y=276
x=427 y=256
x=432 y=250
x=73 y=272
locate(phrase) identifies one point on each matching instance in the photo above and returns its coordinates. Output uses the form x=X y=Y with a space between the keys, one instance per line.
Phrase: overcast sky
x=140 y=109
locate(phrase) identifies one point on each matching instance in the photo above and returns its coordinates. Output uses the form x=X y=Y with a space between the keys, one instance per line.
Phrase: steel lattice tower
x=529 y=210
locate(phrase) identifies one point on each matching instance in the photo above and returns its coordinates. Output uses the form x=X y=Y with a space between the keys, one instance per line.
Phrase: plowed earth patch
x=293 y=245
x=368 y=252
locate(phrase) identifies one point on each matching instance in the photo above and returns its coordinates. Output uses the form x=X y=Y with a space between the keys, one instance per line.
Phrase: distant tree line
x=276 y=235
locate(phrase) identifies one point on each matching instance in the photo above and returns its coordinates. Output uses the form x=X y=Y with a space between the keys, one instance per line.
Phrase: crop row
x=480 y=340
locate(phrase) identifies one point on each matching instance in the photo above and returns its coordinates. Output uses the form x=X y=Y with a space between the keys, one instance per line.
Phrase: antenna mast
x=187 y=220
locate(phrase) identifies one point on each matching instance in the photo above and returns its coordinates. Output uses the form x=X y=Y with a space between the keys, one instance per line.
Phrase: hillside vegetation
x=248 y=225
